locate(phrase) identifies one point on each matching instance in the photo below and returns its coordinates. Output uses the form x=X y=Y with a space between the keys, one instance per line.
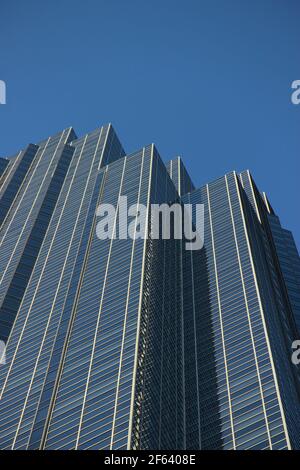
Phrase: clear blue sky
x=207 y=79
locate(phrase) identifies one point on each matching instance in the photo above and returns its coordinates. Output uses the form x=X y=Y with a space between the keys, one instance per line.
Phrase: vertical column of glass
x=18 y=284
x=13 y=181
x=276 y=316
x=144 y=432
x=37 y=323
x=77 y=367
x=44 y=410
x=64 y=244
x=289 y=261
x=204 y=353
x=136 y=194
x=4 y=162
x=19 y=222
x=158 y=409
x=270 y=399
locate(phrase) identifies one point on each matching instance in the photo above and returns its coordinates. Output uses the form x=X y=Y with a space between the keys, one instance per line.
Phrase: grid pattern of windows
x=96 y=382
x=76 y=357
x=242 y=389
x=136 y=342
x=37 y=323
x=289 y=262
x=26 y=214
x=18 y=284
x=158 y=421
x=4 y=162
x=279 y=315
x=95 y=403
x=180 y=176
x=13 y=180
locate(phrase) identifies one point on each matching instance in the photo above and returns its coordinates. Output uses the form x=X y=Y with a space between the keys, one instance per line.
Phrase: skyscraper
x=288 y=258
x=248 y=388
x=138 y=343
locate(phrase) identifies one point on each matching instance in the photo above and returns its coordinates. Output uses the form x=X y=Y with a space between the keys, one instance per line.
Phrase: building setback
x=138 y=343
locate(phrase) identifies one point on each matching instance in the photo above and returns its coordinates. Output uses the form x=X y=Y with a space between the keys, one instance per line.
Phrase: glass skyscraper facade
x=138 y=343
x=248 y=388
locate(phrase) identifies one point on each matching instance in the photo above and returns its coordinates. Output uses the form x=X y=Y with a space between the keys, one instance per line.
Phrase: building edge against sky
x=121 y=344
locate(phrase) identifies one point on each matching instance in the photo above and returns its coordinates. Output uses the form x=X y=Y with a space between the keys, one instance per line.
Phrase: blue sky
x=207 y=79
